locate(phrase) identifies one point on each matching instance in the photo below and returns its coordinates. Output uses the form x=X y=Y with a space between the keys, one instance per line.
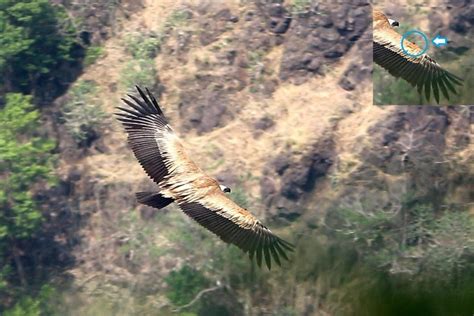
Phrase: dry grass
x=303 y=115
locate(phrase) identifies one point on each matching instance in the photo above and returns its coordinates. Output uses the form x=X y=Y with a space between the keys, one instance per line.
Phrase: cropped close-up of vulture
x=417 y=68
x=179 y=180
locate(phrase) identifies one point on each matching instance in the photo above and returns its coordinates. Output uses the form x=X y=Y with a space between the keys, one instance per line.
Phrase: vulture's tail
x=153 y=199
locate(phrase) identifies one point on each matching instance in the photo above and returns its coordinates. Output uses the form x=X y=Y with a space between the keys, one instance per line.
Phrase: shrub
x=184 y=284
x=177 y=18
x=34 y=306
x=417 y=240
x=138 y=72
x=300 y=6
x=143 y=46
x=92 y=54
x=82 y=113
x=141 y=238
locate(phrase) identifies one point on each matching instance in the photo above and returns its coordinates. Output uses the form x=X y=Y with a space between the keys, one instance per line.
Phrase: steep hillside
x=274 y=100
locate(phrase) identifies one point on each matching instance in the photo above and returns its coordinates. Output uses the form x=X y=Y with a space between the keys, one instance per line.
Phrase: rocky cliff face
x=273 y=100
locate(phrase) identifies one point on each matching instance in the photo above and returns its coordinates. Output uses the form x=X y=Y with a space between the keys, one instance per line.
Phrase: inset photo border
x=423 y=53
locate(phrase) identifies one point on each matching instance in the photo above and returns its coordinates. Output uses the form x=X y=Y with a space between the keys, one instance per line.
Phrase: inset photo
x=423 y=53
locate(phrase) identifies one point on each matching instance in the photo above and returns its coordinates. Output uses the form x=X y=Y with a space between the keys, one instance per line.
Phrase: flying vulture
x=162 y=156
x=421 y=71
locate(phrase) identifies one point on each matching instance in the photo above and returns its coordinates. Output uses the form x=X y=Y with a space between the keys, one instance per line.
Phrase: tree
x=25 y=161
x=35 y=39
x=430 y=245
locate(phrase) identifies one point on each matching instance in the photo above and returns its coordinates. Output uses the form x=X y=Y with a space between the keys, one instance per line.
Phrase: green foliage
x=417 y=240
x=230 y=265
x=83 y=114
x=34 y=306
x=35 y=39
x=176 y=19
x=287 y=311
x=451 y=244
x=299 y=6
x=143 y=46
x=140 y=238
x=25 y=160
x=257 y=70
x=92 y=54
x=141 y=72
x=141 y=69
x=184 y=284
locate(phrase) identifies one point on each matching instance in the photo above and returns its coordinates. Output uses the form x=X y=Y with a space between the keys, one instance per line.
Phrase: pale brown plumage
x=180 y=180
x=421 y=71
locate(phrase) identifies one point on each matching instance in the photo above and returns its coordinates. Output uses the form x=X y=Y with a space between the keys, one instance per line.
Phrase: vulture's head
x=224 y=188
x=380 y=20
x=393 y=23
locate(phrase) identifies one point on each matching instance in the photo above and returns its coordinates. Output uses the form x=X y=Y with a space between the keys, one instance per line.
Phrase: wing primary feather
x=428 y=84
x=435 y=90
x=455 y=79
x=143 y=105
x=134 y=114
x=440 y=73
x=280 y=251
x=153 y=100
x=449 y=85
x=259 y=251
x=253 y=244
x=267 y=251
x=443 y=87
x=135 y=107
x=274 y=253
x=149 y=105
x=287 y=245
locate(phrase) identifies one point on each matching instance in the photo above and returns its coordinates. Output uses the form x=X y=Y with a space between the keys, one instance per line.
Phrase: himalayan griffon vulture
x=162 y=156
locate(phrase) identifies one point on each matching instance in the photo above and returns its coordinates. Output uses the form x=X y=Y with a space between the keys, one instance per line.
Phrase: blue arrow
x=440 y=41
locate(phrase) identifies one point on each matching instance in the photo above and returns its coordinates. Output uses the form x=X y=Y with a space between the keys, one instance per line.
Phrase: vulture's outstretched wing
x=163 y=157
x=421 y=71
x=152 y=140
x=237 y=226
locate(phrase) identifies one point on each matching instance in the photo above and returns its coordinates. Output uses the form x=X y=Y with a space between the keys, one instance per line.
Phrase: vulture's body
x=417 y=68
x=180 y=180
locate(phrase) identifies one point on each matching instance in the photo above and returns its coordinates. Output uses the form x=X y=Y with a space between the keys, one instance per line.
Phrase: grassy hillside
x=377 y=199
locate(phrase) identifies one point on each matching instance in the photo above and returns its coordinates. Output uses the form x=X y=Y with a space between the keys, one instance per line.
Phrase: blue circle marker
x=425 y=38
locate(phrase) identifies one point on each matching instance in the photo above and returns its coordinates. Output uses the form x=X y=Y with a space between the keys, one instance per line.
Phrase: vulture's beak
x=393 y=23
x=225 y=189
